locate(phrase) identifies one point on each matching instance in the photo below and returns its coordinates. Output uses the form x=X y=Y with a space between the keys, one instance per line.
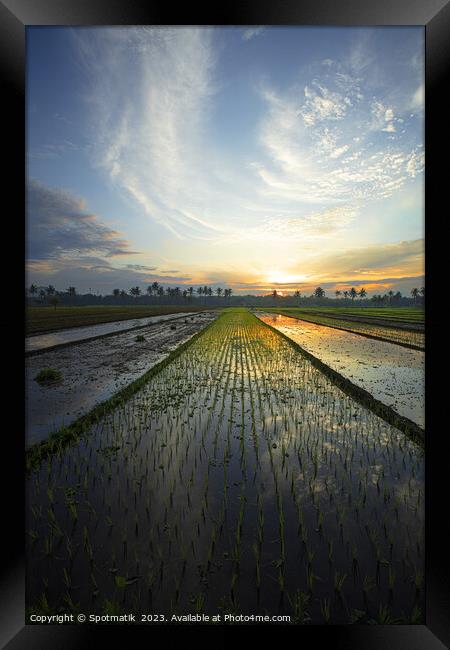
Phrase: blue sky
x=255 y=158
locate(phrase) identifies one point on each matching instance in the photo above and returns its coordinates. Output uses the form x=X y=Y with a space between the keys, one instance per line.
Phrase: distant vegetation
x=205 y=296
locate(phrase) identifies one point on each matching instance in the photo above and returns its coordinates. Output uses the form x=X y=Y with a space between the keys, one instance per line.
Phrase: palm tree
x=42 y=295
x=54 y=300
x=390 y=294
x=72 y=293
x=33 y=289
x=353 y=293
x=422 y=292
x=200 y=291
x=362 y=293
x=219 y=291
x=345 y=294
x=297 y=294
x=160 y=291
x=150 y=290
x=123 y=293
x=337 y=293
x=135 y=291
x=415 y=293
x=319 y=292
x=185 y=293
x=190 y=292
x=50 y=290
x=275 y=294
x=116 y=293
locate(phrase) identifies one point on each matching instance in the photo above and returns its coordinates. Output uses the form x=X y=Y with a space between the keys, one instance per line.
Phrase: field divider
x=411 y=346
x=74 y=431
x=360 y=395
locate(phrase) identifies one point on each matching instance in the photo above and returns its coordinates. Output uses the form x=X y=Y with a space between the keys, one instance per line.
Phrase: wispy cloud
x=284 y=226
x=327 y=142
x=159 y=151
x=151 y=135
x=53 y=150
x=369 y=263
x=252 y=32
x=140 y=267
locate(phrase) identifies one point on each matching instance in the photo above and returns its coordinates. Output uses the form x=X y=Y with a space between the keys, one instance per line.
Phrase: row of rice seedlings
x=345 y=461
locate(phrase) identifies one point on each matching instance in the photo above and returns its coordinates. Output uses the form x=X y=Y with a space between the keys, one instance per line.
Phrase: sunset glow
x=278 y=158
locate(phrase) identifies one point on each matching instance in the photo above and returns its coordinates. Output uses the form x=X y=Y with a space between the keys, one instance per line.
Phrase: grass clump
x=48 y=376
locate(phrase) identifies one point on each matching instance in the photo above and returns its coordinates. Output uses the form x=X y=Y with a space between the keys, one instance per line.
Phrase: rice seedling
x=339 y=580
x=325 y=610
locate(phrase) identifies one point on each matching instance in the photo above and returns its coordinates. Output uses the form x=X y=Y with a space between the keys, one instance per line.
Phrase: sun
x=280 y=277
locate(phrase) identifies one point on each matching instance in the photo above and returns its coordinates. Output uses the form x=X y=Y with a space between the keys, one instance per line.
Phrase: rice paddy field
x=92 y=371
x=391 y=328
x=41 y=320
x=390 y=373
x=238 y=479
x=400 y=314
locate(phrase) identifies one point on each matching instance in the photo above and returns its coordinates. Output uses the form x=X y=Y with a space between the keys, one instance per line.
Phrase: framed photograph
x=228 y=419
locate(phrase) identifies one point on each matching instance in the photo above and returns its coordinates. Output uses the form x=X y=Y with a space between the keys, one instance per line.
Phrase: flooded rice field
x=74 y=334
x=391 y=373
x=94 y=370
x=413 y=337
x=239 y=479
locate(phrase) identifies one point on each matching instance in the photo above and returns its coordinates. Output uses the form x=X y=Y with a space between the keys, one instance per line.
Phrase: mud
x=40 y=342
x=92 y=371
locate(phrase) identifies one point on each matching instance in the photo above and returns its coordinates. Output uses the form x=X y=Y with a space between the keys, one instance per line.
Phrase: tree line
x=155 y=293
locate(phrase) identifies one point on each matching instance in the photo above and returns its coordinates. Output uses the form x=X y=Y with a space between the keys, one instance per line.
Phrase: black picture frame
x=434 y=16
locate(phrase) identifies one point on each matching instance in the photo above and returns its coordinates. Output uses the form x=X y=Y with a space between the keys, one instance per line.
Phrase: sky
x=255 y=158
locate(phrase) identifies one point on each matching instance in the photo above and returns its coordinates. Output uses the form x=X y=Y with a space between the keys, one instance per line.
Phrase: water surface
x=393 y=374
x=70 y=335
